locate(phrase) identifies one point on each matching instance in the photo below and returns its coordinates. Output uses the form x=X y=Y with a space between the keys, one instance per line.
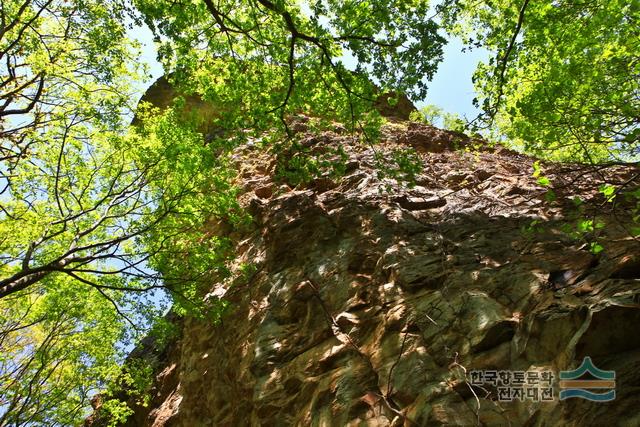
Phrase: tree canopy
x=564 y=79
x=101 y=222
x=260 y=60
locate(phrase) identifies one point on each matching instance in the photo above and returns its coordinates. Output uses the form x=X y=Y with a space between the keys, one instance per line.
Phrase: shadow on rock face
x=612 y=330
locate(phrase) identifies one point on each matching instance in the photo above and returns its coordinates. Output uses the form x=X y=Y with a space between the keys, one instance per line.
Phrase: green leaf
x=585 y=225
x=543 y=180
x=536 y=169
x=550 y=196
x=596 y=248
x=608 y=191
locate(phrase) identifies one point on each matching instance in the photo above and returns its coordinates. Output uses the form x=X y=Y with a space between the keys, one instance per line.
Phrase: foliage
x=116 y=412
x=59 y=58
x=436 y=116
x=53 y=354
x=88 y=207
x=196 y=175
x=90 y=213
x=564 y=79
x=298 y=164
x=403 y=166
x=263 y=60
x=71 y=201
x=563 y=83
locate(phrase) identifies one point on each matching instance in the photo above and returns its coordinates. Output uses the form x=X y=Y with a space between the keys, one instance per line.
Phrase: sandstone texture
x=370 y=302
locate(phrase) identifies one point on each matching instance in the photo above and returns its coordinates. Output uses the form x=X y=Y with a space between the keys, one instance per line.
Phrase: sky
x=451 y=88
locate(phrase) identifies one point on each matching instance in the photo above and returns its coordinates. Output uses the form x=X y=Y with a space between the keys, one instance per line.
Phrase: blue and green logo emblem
x=572 y=385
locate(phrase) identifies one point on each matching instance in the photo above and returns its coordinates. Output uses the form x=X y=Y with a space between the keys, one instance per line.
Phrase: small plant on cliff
x=403 y=166
x=298 y=164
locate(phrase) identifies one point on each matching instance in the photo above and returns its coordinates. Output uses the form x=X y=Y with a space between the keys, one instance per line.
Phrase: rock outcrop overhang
x=370 y=302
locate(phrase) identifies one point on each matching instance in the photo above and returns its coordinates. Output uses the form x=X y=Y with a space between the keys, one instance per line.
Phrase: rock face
x=162 y=93
x=371 y=303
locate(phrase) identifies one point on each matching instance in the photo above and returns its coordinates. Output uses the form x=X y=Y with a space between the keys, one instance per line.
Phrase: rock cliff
x=369 y=302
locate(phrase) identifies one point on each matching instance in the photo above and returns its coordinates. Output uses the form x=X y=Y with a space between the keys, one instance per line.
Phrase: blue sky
x=451 y=88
